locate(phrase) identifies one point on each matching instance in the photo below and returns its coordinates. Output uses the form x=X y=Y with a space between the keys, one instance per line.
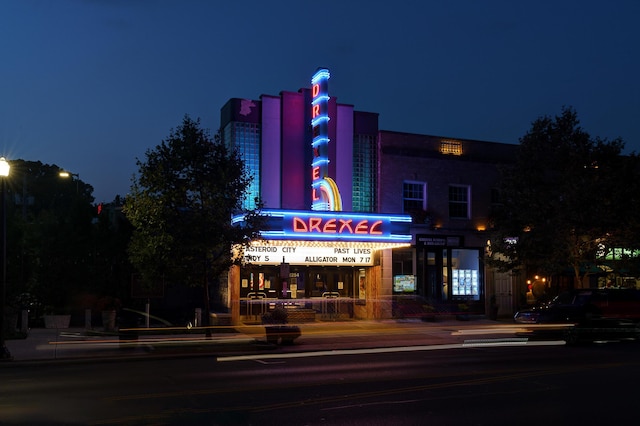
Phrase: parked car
x=584 y=305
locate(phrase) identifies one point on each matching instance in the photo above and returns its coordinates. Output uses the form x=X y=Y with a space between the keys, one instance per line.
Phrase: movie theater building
x=341 y=238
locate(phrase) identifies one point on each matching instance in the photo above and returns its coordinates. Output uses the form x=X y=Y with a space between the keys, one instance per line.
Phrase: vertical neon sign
x=325 y=194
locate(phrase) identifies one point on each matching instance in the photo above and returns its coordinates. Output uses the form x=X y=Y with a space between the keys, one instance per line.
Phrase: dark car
x=584 y=305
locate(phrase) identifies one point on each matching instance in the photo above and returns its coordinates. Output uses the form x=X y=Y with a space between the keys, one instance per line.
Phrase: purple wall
x=343 y=158
x=296 y=174
x=270 y=189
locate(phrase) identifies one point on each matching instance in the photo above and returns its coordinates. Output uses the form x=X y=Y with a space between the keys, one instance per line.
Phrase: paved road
x=52 y=344
x=473 y=384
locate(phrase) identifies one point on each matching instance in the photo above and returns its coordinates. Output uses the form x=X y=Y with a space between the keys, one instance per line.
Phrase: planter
x=57 y=321
x=109 y=320
x=286 y=334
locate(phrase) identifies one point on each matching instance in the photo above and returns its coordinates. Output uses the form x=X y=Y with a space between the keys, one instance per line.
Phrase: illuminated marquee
x=268 y=254
x=324 y=191
x=333 y=226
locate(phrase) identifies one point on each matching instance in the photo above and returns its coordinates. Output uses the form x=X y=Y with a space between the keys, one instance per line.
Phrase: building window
x=245 y=137
x=451 y=147
x=459 y=201
x=403 y=262
x=414 y=197
x=465 y=275
x=365 y=173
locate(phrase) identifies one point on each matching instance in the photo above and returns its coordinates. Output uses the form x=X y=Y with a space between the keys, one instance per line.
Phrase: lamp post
x=4 y=173
x=64 y=174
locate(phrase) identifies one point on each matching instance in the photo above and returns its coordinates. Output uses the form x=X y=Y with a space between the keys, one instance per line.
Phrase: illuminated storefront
x=449 y=188
x=321 y=263
x=315 y=256
x=449 y=270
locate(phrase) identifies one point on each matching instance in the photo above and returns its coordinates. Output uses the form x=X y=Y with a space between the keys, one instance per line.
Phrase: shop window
x=259 y=282
x=465 y=274
x=402 y=262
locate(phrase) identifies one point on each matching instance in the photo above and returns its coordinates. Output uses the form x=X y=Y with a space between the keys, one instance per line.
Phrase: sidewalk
x=76 y=343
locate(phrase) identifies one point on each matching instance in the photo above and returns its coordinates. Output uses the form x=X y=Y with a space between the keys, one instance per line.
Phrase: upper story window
x=459 y=196
x=414 y=196
x=451 y=147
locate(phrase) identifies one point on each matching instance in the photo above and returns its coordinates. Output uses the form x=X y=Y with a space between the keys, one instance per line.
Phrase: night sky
x=90 y=85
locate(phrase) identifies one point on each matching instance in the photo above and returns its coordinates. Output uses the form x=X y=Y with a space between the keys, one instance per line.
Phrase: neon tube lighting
x=320 y=98
x=305 y=213
x=320 y=161
x=316 y=121
x=319 y=75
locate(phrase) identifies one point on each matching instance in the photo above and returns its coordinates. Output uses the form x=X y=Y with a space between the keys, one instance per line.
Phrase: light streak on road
x=465 y=345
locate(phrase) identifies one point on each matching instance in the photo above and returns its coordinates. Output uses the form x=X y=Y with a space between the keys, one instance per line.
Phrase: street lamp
x=4 y=173
x=65 y=174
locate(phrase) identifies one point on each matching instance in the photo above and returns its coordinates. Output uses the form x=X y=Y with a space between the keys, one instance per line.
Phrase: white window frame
x=468 y=201
x=424 y=194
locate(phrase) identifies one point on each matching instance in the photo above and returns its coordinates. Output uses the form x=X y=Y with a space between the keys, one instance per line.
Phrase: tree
x=111 y=269
x=562 y=200
x=49 y=234
x=180 y=206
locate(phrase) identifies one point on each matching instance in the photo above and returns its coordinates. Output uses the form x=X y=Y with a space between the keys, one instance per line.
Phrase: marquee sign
x=334 y=226
x=298 y=255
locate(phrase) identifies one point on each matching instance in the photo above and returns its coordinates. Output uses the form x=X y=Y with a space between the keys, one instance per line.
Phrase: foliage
x=60 y=253
x=49 y=225
x=110 y=269
x=181 y=204
x=564 y=200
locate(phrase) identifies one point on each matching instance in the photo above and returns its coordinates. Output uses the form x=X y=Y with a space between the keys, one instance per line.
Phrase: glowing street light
x=65 y=175
x=5 y=167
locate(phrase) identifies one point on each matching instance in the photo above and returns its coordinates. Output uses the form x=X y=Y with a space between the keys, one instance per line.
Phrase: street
x=525 y=384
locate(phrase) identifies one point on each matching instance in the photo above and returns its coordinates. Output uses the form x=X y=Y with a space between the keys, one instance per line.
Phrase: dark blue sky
x=90 y=85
